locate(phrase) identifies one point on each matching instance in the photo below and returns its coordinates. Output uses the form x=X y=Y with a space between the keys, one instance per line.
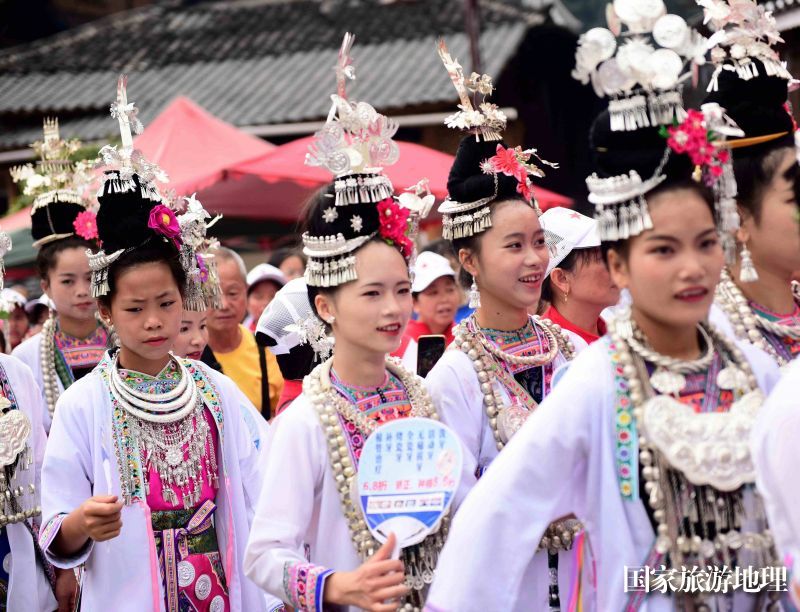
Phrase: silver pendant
x=667 y=382
x=731 y=377
x=14 y=431
x=510 y=419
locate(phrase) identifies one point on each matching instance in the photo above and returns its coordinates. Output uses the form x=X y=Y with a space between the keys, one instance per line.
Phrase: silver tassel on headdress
x=98 y=264
x=193 y=300
x=211 y=287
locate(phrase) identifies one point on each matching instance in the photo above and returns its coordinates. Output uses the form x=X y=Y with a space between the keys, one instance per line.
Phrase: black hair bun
x=756 y=105
x=53 y=219
x=467 y=182
x=123 y=216
x=641 y=150
x=352 y=220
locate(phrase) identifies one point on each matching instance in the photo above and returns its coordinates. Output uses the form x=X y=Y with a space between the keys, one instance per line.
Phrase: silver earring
x=331 y=320
x=474 y=295
x=747 y=271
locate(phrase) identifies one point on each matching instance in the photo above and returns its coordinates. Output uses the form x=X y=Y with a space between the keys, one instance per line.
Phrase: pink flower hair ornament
x=394 y=225
x=163 y=221
x=694 y=138
x=517 y=163
x=85 y=225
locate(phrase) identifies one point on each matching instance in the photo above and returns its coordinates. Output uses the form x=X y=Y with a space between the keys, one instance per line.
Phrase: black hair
x=623 y=246
x=122 y=224
x=282 y=254
x=295 y=364
x=440 y=246
x=154 y=250
x=54 y=218
x=47 y=257
x=570 y=264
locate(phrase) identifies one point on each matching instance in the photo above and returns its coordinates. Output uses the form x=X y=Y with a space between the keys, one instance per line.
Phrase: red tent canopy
x=195 y=148
x=286 y=163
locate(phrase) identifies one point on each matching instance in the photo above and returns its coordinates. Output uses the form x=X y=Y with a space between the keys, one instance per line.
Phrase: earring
x=331 y=320
x=566 y=295
x=747 y=271
x=474 y=295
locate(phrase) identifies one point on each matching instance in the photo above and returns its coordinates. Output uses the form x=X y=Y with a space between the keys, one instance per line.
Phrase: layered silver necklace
x=172 y=433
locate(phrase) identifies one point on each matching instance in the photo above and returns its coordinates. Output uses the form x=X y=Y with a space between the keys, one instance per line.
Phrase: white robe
x=563 y=460
x=455 y=389
x=28 y=353
x=28 y=586
x=776 y=454
x=122 y=574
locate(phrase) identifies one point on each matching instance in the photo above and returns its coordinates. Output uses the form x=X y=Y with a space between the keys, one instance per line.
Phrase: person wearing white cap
x=263 y=282
x=295 y=335
x=17 y=323
x=578 y=286
x=436 y=300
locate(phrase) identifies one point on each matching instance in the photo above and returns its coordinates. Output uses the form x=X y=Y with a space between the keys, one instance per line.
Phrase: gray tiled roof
x=247 y=62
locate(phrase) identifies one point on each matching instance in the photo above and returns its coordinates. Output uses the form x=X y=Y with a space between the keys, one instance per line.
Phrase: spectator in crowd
x=577 y=286
x=263 y=283
x=445 y=249
x=17 y=325
x=254 y=369
x=38 y=311
x=290 y=261
x=436 y=299
x=295 y=335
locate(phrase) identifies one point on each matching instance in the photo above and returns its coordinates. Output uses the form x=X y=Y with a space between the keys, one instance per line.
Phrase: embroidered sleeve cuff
x=304 y=584
x=48 y=534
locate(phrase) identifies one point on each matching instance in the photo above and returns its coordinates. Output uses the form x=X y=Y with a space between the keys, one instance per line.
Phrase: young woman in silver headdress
x=644 y=438
x=72 y=340
x=756 y=301
x=310 y=545
x=502 y=362
x=150 y=473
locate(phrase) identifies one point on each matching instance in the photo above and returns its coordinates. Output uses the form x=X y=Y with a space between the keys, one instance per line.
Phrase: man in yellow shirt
x=234 y=346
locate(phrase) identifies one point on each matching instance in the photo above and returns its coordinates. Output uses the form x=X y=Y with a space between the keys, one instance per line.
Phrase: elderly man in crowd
x=254 y=369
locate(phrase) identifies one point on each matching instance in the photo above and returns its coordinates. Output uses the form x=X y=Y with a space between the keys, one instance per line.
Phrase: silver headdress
x=56 y=184
x=638 y=62
x=127 y=172
x=354 y=145
x=482 y=152
x=202 y=280
x=744 y=31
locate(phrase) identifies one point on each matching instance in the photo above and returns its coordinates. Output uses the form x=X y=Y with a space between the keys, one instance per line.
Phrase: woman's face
x=371 y=313
x=438 y=303
x=672 y=269
x=259 y=297
x=292 y=267
x=68 y=284
x=192 y=336
x=513 y=257
x=590 y=282
x=146 y=311
x=774 y=240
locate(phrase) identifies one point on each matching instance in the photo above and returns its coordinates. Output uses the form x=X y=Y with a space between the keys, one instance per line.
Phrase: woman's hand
x=376 y=586
x=100 y=517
